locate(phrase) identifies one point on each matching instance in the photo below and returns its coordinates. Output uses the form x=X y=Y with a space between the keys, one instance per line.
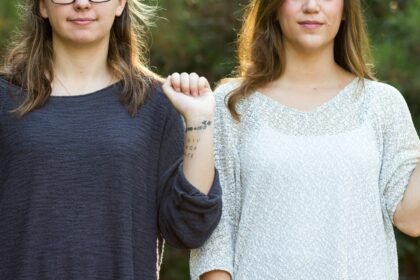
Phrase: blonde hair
x=261 y=50
x=29 y=64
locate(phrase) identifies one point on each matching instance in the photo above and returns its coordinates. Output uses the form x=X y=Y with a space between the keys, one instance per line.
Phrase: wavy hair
x=261 y=48
x=29 y=64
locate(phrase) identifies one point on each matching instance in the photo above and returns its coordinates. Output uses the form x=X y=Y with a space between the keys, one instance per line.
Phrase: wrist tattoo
x=190 y=146
x=202 y=126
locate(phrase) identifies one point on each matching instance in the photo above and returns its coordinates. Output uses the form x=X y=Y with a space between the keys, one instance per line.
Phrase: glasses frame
x=72 y=1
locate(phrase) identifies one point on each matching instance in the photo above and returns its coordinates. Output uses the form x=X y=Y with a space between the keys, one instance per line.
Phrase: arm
x=407 y=215
x=216 y=257
x=189 y=194
x=192 y=97
x=399 y=176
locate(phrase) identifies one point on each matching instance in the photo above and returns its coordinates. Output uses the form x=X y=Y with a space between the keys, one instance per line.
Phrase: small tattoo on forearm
x=190 y=146
x=189 y=155
x=191 y=140
x=202 y=126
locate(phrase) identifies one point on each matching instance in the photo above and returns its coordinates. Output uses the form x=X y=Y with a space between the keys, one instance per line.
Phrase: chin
x=315 y=45
x=86 y=39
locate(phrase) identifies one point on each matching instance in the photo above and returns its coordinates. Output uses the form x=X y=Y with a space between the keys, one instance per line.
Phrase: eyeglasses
x=67 y=2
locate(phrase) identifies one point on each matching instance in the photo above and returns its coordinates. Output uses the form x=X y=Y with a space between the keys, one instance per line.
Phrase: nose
x=82 y=4
x=311 y=6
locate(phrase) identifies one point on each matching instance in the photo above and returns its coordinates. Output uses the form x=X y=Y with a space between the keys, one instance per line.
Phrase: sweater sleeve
x=186 y=216
x=218 y=252
x=6 y=90
x=401 y=149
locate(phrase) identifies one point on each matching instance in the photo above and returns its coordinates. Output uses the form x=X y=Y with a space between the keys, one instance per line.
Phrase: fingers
x=203 y=85
x=188 y=84
x=175 y=79
x=185 y=83
x=194 y=90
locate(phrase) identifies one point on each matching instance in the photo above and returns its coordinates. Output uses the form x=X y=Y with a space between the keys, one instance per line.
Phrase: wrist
x=194 y=120
x=197 y=126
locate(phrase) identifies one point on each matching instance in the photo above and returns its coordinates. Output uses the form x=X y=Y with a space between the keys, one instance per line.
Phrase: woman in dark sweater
x=93 y=176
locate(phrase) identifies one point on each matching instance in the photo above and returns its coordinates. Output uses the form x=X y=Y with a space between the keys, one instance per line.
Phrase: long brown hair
x=29 y=64
x=261 y=49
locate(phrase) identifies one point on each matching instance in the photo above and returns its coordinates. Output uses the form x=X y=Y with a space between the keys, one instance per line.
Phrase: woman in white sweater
x=315 y=156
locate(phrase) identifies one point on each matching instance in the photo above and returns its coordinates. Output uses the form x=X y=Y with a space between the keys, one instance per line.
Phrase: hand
x=191 y=96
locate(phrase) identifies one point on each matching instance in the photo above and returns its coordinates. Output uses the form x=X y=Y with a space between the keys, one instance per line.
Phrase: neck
x=81 y=63
x=316 y=68
x=80 y=69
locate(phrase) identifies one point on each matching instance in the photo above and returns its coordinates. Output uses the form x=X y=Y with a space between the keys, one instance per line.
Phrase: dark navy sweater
x=88 y=192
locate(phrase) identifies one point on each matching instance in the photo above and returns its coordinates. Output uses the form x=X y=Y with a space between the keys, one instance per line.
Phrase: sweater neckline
x=329 y=103
x=93 y=94
x=89 y=95
x=333 y=116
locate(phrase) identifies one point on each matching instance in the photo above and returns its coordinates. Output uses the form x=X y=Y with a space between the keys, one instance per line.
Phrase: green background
x=199 y=36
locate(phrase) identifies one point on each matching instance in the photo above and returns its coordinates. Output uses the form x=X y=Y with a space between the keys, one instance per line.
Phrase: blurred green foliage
x=199 y=35
x=395 y=29
x=196 y=35
x=8 y=20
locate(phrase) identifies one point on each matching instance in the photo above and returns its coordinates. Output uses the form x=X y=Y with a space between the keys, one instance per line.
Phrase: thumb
x=168 y=90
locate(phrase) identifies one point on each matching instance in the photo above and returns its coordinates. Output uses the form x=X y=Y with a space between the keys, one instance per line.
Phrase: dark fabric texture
x=88 y=192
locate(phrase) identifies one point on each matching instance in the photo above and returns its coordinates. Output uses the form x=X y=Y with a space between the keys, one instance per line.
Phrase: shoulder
x=10 y=95
x=158 y=100
x=162 y=107
x=224 y=88
x=3 y=82
x=225 y=125
x=4 y=85
x=388 y=104
x=3 y=90
x=8 y=89
x=383 y=94
x=221 y=94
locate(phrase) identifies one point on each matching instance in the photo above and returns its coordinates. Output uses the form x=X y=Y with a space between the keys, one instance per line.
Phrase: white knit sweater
x=311 y=195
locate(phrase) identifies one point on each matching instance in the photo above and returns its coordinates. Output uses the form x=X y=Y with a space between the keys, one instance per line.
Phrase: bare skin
x=192 y=96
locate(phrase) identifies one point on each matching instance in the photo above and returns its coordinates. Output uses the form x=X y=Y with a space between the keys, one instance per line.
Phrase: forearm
x=192 y=96
x=407 y=214
x=198 y=153
x=216 y=275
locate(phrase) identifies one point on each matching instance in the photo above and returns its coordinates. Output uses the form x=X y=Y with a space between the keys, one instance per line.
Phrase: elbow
x=416 y=234
x=413 y=232
x=185 y=243
x=194 y=243
x=200 y=228
x=191 y=235
x=410 y=229
x=198 y=237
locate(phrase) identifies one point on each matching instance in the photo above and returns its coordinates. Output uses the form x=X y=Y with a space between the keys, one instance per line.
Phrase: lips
x=311 y=24
x=82 y=21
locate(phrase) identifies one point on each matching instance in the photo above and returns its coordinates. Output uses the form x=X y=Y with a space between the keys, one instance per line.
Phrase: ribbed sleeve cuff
x=186 y=193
